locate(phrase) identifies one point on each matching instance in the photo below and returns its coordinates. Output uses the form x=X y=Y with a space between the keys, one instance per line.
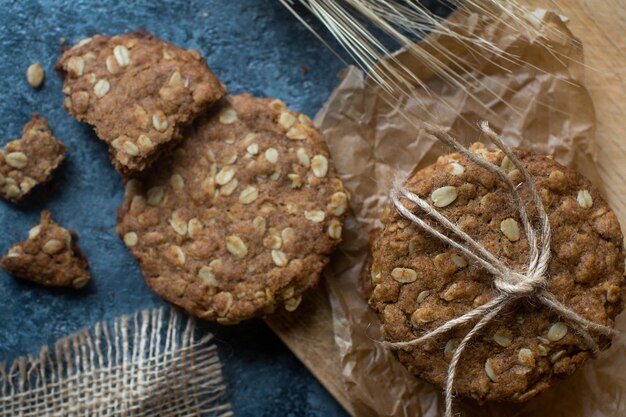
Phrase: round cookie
x=417 y=283
x=242 y=217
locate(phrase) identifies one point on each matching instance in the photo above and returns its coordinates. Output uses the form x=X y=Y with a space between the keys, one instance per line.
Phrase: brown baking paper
x=548 y=111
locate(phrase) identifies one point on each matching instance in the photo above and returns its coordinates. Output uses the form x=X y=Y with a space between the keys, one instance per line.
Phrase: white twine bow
x=511 y=285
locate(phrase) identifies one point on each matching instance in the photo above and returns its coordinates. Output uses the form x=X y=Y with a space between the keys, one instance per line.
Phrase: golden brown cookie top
x=242 y=217
x=138 y=91
x=30 y=160
x=50 y=256
x=420 y=283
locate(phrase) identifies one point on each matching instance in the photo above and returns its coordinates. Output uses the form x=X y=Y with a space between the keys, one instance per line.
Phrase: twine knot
x=520 y=285
x=511 y=285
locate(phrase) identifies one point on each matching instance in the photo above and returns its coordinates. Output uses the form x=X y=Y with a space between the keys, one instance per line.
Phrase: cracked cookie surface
x=138 y=91
x=416 y=283
x=242 y=217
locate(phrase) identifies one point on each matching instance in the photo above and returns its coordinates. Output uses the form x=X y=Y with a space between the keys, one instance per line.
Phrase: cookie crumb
x=30 y=160
x=49 y=256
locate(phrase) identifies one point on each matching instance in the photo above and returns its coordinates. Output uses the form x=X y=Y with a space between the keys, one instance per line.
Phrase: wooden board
x=599 y=24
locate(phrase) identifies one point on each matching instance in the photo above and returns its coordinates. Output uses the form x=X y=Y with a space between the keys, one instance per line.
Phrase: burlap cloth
x=151 y=364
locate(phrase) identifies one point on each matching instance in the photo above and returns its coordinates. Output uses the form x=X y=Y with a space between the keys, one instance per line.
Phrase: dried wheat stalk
x=403 y=23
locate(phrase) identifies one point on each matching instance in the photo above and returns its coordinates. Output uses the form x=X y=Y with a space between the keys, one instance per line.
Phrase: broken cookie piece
x=29 y=161
x=138 y=91
x=50 y=256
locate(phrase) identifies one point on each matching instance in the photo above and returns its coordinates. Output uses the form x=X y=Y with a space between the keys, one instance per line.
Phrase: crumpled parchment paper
x=541 y=105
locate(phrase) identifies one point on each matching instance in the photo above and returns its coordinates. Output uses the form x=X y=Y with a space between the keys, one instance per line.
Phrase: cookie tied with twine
x=520 y=285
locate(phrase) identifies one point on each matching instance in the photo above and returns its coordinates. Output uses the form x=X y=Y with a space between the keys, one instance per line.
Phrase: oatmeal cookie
x=138 y=91
x=419 y=283
x=242 y=217
x=50 y=256
x=30 y=160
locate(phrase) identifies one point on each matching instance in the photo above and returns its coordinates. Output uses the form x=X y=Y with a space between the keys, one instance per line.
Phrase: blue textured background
x=251 y=45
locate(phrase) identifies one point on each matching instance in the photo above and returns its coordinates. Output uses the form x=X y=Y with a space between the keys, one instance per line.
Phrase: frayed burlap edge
x=149 y=364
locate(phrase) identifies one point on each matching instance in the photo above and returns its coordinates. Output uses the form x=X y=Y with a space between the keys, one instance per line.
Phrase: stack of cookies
x=416 y=283
x=233 y=205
